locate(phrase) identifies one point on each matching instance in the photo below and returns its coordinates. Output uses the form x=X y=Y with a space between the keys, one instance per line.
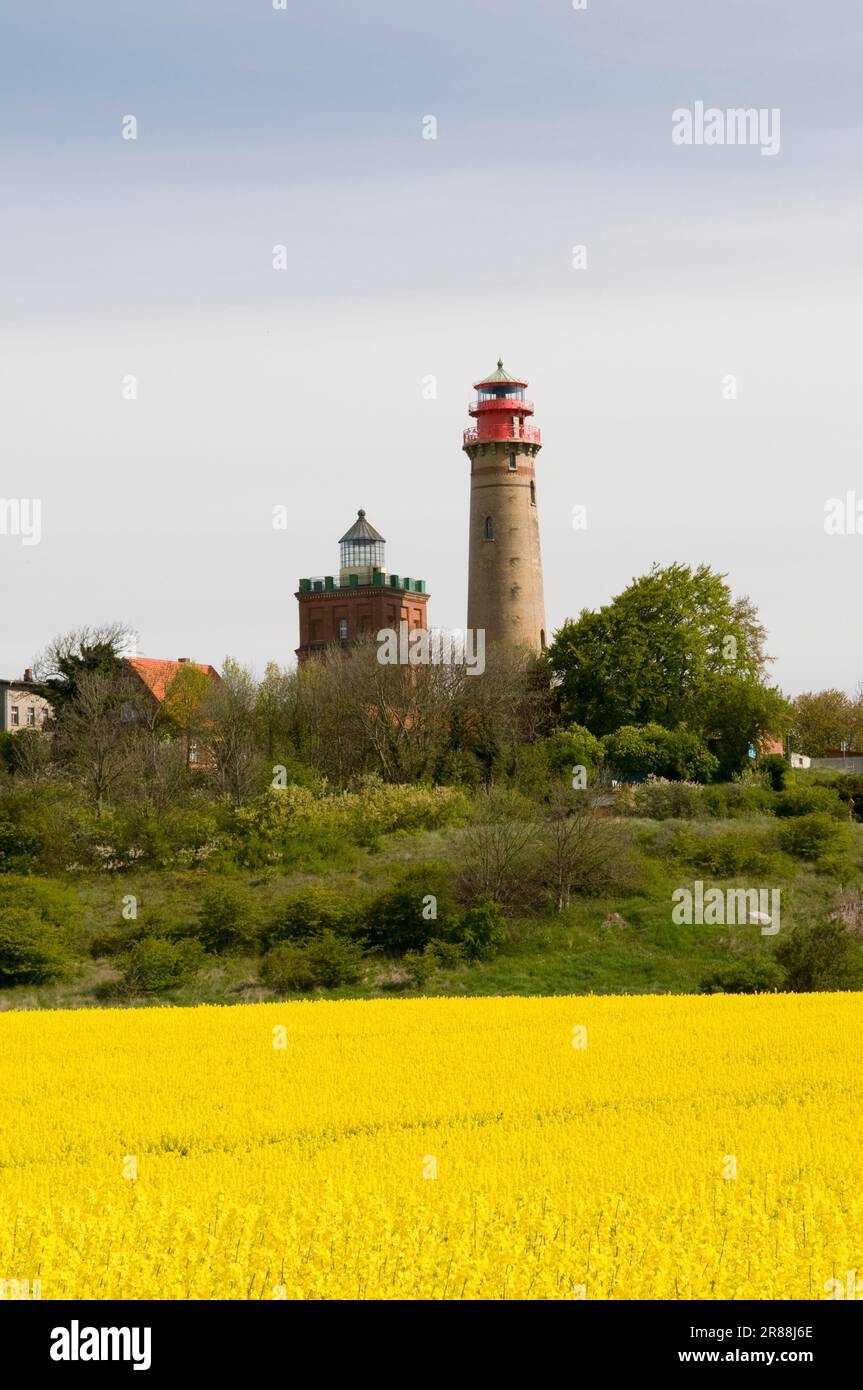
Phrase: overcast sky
x=409 y=258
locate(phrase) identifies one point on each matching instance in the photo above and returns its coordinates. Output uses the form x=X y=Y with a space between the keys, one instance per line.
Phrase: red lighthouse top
x=500 y=410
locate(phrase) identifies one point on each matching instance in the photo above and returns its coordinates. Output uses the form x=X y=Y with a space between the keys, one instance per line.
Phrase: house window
x=542 y=638
x=343 y=629
x=14 y=716
x=533 y=494
x=512 y=463
x=489 y=529
x=31 y=716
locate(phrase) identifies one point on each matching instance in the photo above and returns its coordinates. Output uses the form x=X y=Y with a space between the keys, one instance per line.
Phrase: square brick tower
x=505 y=596
x=361 y=599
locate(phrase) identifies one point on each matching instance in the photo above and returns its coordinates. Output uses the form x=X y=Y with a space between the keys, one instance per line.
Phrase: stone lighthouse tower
x=505 y=568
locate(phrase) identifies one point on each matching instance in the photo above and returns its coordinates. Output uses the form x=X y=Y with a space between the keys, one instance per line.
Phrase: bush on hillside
x=420 y=905
x=33 y=951
x=117 y=939
x=821 y=957
x=155 y=964
x=777 y=769
x=658 y=799
x=573 y=747
x=310 y=913
x=480 y=930
x=289 y=824
x=729 y=800
x=228 y=920
x=327 y=961
x=725 y=853
x=644 y=750
x=52 y=902
x=749 y=974
x=806 y=801
x=818 y=837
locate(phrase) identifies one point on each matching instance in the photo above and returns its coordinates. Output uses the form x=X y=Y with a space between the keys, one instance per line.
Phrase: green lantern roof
x=500 y=374
x=361 y=530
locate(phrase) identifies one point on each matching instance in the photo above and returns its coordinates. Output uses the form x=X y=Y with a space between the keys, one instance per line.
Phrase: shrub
x=818 y=837
x=117 y=940
x=421 y=904
x=821 y=957
x=155 y=964
x=749 y=975
x=849 y=787
x=290 y=824
x=176 y=835
x=19 y=848
x=307 y=914
x=287 y=967
x=777 y=770
x=445 y=955
x=496 y=849
x=328 y=960
x=228 y=920
x=661 y=800
x=419 y=967
x=53 y=902
x=333 y=960
x=805 y=801
x=725 y=853
x=32 y=950
x=573 y=747
x=728 y=800
x=480 y=930
x=642 y=750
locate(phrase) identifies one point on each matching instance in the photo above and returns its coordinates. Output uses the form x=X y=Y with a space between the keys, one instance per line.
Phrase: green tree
x=737 y=714
x=676 y=648
x=825 y=719
x=87 y=650
x=645 y=657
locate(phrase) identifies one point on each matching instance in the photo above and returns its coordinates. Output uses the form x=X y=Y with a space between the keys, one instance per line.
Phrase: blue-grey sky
x=410 y=258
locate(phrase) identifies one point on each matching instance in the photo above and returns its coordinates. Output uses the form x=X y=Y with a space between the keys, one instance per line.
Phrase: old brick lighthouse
x=353 y=605
x=505 y=566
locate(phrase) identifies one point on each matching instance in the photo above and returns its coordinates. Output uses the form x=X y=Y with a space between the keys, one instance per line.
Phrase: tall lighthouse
x=505 y=567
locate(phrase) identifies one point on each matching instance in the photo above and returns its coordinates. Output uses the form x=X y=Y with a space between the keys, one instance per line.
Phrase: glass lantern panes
x=362 y=554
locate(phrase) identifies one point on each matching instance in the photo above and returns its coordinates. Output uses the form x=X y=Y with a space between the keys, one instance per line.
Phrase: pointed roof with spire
x=361 y=530
x=498 y=375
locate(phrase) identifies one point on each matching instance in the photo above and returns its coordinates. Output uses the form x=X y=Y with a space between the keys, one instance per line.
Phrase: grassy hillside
x=622 y=941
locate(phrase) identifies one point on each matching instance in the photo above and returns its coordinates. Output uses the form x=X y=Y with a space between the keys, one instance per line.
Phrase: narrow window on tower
x=512 y=463
x=533 y=494
x=489 y=529
x=343 y=629
x=542 y=638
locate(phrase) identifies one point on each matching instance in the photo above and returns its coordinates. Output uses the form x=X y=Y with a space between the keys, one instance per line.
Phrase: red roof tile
x=158 y=674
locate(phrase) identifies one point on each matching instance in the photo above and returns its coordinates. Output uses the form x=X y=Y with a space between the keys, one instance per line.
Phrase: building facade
x=337 y=610
x=157 y=675
x=505 y=594
x=21 y=707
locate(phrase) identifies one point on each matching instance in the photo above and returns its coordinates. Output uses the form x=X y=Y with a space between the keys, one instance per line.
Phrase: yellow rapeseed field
x=558 y=1148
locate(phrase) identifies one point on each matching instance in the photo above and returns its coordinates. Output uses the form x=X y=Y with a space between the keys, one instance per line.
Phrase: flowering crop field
x=651 y=1147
